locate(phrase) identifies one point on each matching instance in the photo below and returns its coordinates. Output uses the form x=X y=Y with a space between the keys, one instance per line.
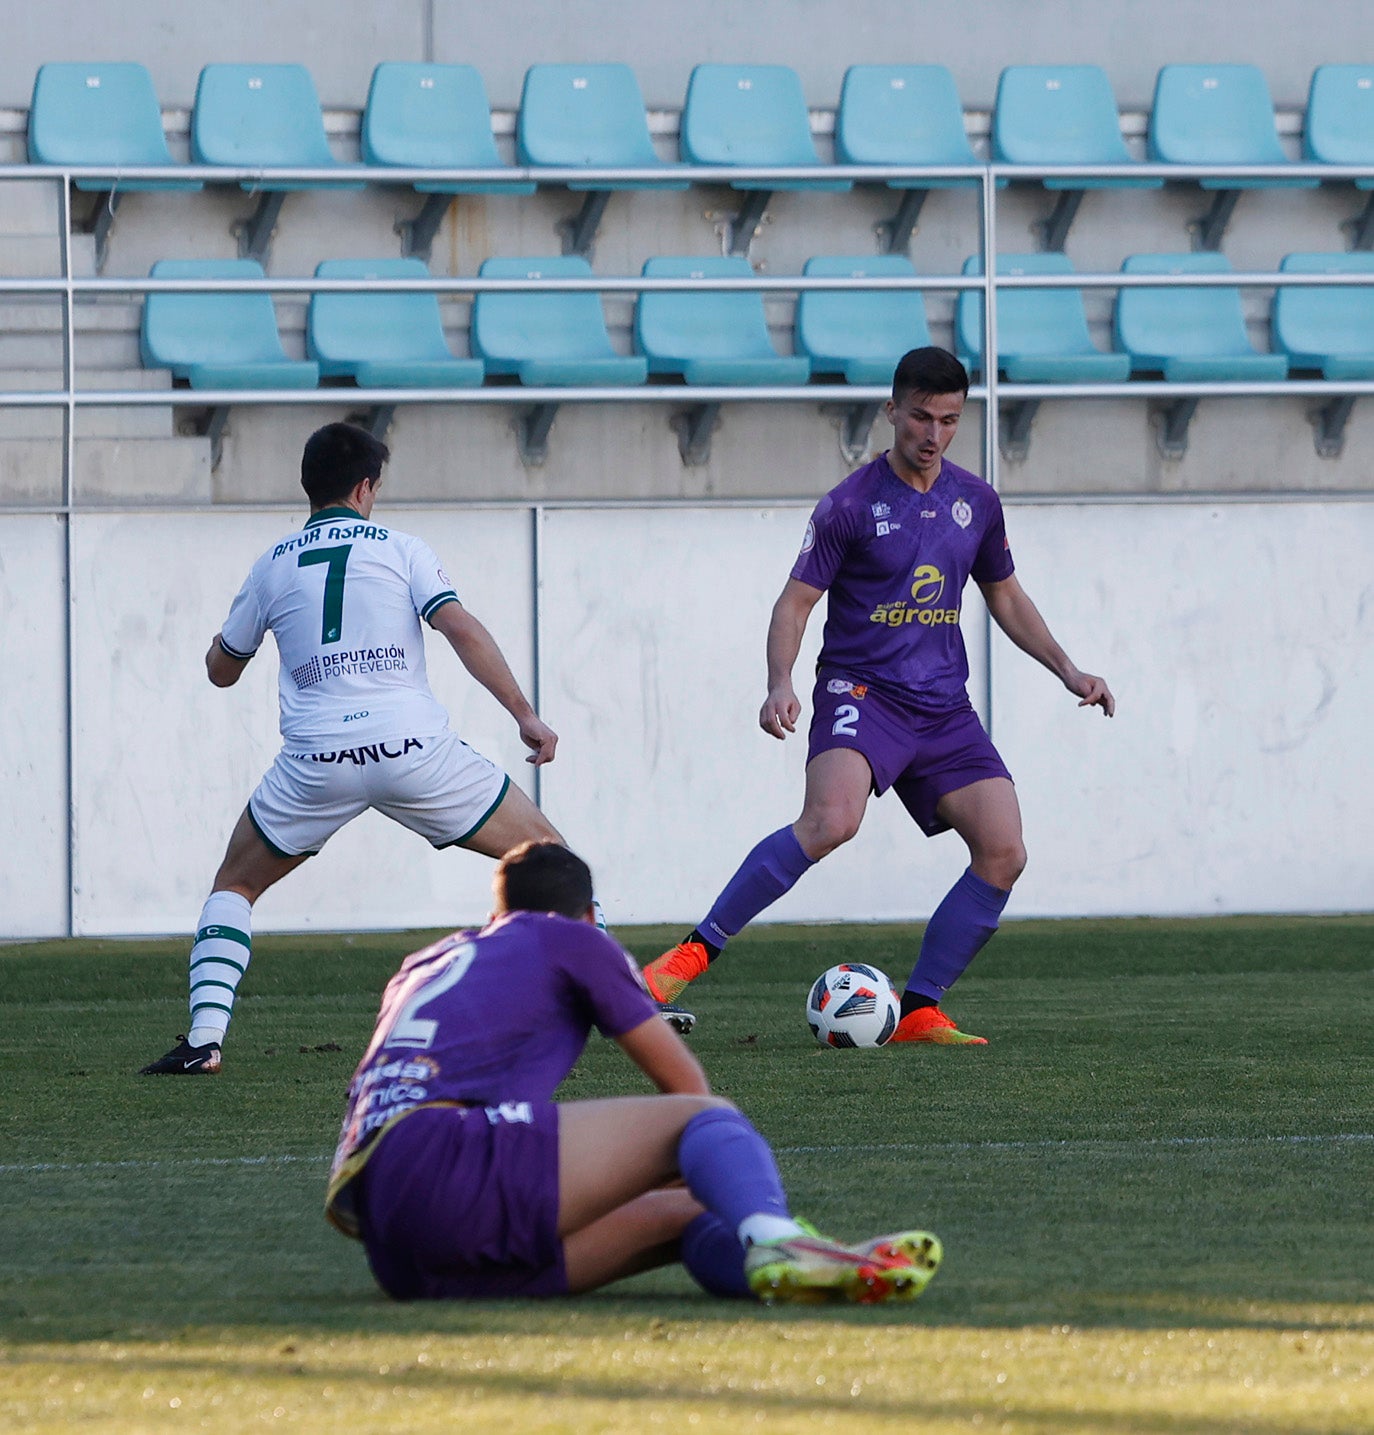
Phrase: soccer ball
x=853 y=1005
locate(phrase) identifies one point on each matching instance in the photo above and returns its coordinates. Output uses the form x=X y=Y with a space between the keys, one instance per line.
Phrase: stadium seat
x=1042 y=338
x=710 y=337
x=584 y=117
x=860 y=333
x=218 y=341
x=1339 y=129
x=431 y=117
x=1330 y=330
x=902 y=114
x=548 y=338
x=1217 y=114
x=1327 y=329
x=1042 y=334
x=261 y=117
x=103 y=113
x=1188 y=334
x=750 y=115
x=1061 y=114
x=381 y=339
x=588 y=116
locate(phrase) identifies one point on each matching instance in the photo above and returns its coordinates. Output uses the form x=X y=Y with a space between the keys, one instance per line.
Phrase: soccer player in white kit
x=344 y=598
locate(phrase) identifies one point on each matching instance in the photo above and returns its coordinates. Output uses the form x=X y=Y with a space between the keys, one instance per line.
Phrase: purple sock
x=771 y=869
x=959 y=928
x=729 y=1167
x=714 y=1257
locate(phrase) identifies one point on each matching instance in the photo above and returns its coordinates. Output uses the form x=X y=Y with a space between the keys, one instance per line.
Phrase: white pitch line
x=937 y=1147
x=1086 y=1143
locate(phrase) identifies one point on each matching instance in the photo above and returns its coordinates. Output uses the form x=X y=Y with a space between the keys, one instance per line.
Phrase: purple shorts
x=462 y=1203
x=920 y=756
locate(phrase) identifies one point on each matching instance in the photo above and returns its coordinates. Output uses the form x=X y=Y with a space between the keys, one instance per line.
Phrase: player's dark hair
x=542 y=877
x=336 y=459
x=928 y=371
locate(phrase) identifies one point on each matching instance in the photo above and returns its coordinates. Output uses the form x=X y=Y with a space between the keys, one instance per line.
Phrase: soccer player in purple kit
x=464 y=1179
x=893 y=545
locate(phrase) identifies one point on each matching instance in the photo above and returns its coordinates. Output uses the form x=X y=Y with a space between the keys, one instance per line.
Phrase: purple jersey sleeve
x=993 y=561
x=825 y=543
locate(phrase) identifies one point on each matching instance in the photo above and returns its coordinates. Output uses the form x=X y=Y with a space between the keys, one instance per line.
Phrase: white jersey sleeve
x=345 y=598
x=245 y=627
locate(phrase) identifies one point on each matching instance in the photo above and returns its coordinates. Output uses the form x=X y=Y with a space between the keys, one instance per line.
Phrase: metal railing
x=985 y=178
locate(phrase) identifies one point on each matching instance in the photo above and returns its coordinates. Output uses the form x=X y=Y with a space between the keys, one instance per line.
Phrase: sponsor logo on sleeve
x=809 y=540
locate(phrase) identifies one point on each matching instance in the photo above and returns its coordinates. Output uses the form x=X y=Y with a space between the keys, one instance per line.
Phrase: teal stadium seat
x=432 y=117
x=548 y=338
x=750 y=115
x=1327 y=329
x=585 y=117
x=710 y=337
x=218 y=341
x=1042 y=334
x=1060 y=114
x=383 y=340
x=1339 y=127
x=860 y=333
x=104 y=113
x=902 y=114
x=1217 y=114
x=1189 y=334
x=262 y=116
x=588 y=116
x=99 y=114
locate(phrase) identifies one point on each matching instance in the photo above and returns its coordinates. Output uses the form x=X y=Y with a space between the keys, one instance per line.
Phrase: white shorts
x=436 y=785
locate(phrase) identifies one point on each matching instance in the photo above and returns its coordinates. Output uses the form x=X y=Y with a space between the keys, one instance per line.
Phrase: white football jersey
x=345 y=598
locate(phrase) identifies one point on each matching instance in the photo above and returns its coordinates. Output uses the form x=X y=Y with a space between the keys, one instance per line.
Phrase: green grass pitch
x=1155 y=1188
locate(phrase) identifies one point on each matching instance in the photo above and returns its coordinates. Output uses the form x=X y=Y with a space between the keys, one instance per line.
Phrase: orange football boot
x=929 y=1023
x=667 y=976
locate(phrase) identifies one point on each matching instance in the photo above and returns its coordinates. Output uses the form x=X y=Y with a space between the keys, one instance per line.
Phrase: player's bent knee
x=822 y=833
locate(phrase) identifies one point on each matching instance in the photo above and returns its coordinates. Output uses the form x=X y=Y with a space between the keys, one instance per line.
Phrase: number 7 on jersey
x=331 y=621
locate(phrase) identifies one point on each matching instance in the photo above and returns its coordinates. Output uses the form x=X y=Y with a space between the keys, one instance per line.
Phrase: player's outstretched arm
x=478 y=653
x=223 y=669
x=1019 y=618
x=780 y=710
x=662 y=1055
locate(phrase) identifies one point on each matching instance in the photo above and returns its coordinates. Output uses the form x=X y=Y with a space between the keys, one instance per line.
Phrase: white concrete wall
x=1235 y=777
x=664 y=39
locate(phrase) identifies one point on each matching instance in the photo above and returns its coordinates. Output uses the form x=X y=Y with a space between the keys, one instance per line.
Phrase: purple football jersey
x=894 y=562
x=492 y=1018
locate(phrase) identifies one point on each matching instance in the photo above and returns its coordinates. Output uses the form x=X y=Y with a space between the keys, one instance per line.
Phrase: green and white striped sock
x=219 y=959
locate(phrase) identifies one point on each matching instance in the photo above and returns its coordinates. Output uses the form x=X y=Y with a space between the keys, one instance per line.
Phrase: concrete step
x=44 y=314
x=101 y=349
x=104 y=422
x=107 y=470
x=39 y=256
